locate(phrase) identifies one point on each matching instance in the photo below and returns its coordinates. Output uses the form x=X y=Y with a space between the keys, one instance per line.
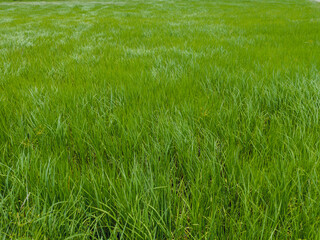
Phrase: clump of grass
x=159 y=120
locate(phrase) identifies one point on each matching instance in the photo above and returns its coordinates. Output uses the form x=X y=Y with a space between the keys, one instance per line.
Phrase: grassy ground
x=160 y=120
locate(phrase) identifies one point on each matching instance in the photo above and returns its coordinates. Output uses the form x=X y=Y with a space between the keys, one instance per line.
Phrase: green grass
x=160 y=120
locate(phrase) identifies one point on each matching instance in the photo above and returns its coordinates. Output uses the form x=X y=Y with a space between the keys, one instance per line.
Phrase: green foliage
x=160 y=120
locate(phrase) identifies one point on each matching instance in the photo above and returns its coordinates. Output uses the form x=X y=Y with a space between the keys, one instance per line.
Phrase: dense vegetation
x=160 y=120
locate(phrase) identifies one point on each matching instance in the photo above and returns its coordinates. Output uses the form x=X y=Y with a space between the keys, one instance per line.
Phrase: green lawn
x=160 y=120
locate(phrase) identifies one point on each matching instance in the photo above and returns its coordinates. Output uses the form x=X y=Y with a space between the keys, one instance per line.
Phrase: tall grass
x=160 y=120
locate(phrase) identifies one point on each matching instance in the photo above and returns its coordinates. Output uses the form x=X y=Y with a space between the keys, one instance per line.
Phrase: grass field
x=160 y=120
